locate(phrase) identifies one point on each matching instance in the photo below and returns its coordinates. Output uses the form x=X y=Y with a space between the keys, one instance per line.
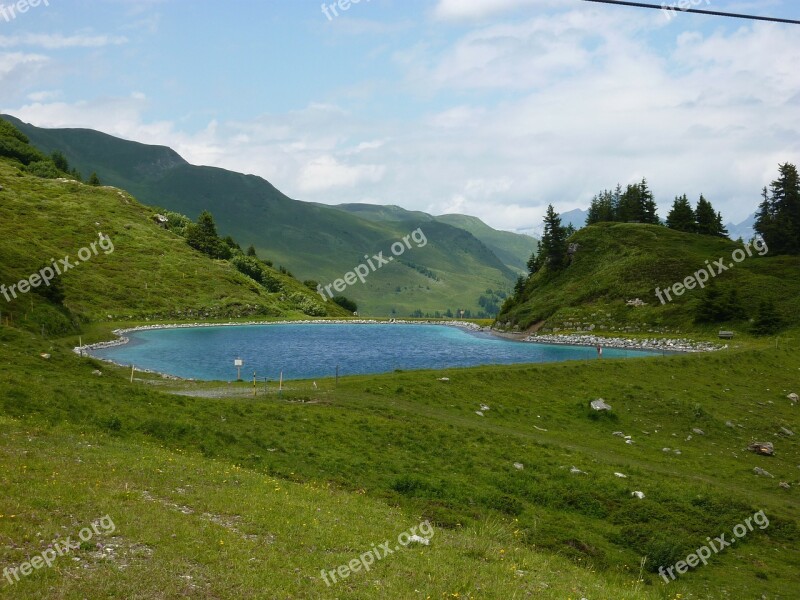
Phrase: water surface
x=315 y=350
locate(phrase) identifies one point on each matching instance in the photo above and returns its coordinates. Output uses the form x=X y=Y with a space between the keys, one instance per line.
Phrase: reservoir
x=310 y=351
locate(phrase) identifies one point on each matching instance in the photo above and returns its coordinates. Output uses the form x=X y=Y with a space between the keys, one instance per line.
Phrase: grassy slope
x=313 y=241
x=408 y=441
x=150 y=274
x=620 y=262
x=511 y=248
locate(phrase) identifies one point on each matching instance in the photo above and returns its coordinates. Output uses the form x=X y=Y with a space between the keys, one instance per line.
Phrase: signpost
x=238 y=363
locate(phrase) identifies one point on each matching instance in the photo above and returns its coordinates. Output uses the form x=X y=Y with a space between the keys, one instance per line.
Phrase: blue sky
x=488 y=107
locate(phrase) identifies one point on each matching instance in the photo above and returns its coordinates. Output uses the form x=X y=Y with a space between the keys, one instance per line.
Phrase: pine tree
x=519 y=287
x=616 y=201
x=706 y=217
x=629 y=208
x=648 y=210
x=601 y=209
x=681 y=217
x=722 y=231
x=251 y=250
x=533 y=263
x=710 y=308
x=94 y=179
x=778 y=216
x=60 y=161
x=786 y=201
x=203 y=237
x=553 y=247
x=768 y=320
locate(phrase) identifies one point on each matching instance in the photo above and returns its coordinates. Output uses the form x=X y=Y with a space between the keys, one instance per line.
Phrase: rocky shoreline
x=669 y=345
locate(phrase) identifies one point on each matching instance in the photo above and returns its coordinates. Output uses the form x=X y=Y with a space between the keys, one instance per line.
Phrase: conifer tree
x=681 y=217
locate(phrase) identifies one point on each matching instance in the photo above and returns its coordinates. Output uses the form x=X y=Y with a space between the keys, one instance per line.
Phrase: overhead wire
x=676 y=8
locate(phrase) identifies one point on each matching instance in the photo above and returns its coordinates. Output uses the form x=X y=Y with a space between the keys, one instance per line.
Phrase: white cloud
x=58 y=41
x=544 y=109
x=481 y=9
x=325 y=173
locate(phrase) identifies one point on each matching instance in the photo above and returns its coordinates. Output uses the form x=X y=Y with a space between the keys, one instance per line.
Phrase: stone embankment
x=670 y=345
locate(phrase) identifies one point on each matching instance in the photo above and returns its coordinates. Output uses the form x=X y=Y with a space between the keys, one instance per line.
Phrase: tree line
x=637 y=205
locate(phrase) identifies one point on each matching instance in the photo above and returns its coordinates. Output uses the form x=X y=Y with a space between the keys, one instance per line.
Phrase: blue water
x=315 y=350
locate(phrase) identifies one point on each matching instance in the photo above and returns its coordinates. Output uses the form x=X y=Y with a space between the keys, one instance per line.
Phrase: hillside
x=141 y=272
x=512 y=249
x=313 y=241
x=265 y=493
x=616 y=262
x=524 y=499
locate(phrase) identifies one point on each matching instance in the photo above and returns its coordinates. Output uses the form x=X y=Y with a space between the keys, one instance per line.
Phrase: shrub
x=44 y=169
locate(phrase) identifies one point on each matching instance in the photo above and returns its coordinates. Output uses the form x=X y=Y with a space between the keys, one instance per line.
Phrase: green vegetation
x=636 y=204
x=151 y=274
x=378 y=454
x=778 y=216
x=614 y=263
x=216 y=492
x=464 y=256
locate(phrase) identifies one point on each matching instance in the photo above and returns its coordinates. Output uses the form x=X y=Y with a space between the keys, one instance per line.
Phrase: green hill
x=215 y=493
x=615 y=263
x=313 y=241
x=512 y=249
x=142 y=272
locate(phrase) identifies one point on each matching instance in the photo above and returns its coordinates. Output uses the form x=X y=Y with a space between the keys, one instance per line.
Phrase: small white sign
x=238 y=362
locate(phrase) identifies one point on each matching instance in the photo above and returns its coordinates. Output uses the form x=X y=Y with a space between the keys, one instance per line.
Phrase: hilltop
x=143 y=272
x=313 y=241
x=614 y=263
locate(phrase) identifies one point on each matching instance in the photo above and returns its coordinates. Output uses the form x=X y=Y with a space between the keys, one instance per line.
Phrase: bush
x=345 y=303
x=308 y=306
x=44 y=169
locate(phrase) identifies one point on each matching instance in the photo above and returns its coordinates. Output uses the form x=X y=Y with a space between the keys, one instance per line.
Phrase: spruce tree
x=553 y=247
x=681 y=217
x=706 y=217
x=786 y=200
x=601 y=209
x=648 y=211
x=778 y=216
x=203 y=237
x=768 y=320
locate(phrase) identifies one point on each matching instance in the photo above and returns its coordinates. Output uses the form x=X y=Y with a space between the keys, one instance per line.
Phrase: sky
x=493 y=108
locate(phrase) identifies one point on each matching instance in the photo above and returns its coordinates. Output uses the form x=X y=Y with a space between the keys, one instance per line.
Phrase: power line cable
x=700 y=11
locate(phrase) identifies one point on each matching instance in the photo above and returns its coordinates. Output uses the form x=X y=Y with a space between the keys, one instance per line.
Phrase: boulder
x=600 y=404
x=785 y=485
x=761 y=472
x=519 y=466
x=639 y=495
x=793 y=397
x=697 y=431
x=763 y=448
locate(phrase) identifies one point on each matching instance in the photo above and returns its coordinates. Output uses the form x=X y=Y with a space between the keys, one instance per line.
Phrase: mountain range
x=465 y=264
